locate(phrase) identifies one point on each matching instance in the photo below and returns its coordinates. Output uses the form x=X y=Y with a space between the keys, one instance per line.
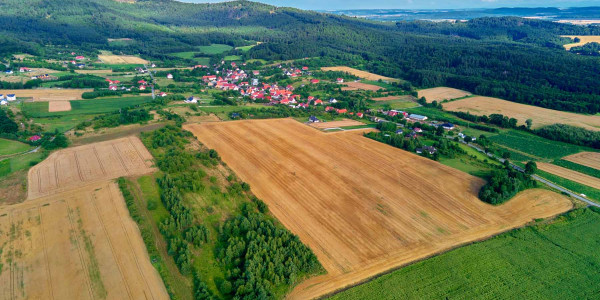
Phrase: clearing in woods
x=81 y=244
x=589 y=159
x=336 y=124
x=540 y=116
x=442 y=93
x=112 y=59
x=570 y=174
x=583 y=39
x=42 y=95
x=361 y=74
x=362 y=206
x=54 y=106
x=73 y=167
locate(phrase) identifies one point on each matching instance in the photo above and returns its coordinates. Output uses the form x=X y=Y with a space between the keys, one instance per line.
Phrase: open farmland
x=546 y=261
x=84 y=107
x=361 y=74
x=570 y=174
x=72 y=167
x=583 y=39
x=9 y=147
x=336 y=124
x=589 y=159
x=363 y=207
x=43 y=95
x=54 y=106
x=540 y=116
x=94 y=72
x=353 y=86
x=81 y=244
x=532 y=145
x=442 y=93
x=121 y=59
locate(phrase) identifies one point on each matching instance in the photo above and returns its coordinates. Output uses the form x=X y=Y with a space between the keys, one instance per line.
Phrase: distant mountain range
x=547 y=13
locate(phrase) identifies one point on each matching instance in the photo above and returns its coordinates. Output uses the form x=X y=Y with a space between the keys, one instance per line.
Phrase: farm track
x=363 y=207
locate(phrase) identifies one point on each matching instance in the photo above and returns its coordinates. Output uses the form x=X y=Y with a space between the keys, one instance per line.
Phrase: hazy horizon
x=412 y=4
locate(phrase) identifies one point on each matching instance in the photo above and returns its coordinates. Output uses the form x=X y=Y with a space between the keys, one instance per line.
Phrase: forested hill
x=517 y=59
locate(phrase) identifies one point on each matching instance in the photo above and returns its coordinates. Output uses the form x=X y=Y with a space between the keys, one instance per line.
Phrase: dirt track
x=442 y=93
x=540 y=116
x=590 y=159
x=78 y=245
x=570 y=174
x=363 y=207
x=74 y=167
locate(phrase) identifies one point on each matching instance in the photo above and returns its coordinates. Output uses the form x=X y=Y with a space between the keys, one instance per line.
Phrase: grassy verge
x=555 y=260
x=578 y=188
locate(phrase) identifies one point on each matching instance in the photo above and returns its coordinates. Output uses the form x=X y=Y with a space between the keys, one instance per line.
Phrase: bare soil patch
x=583 y=39
x=570 y=174
x=540 y=116
x=48 y=94
x=81 y=244
x=362 y=74
x=353 y=86
x=589 y=159
x=121 y=59
x=362 y=206
x=73 y=167
x=54 y=106
x=442 y=93
x=336 y=124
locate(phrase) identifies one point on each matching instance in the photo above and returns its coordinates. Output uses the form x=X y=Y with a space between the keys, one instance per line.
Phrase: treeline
x=30 y=84
x=123 y=117
x=590 y=49
x=570 y=134
x=494 y=119
x=7 y=125
x=82 y=81
x=504 y=184
x=105 y=93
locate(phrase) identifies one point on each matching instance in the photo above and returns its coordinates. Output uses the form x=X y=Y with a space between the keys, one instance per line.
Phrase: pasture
x=84 y=107
x=8 y=147
x=540 y=116
x=363 y=207
x=588 y=159
x=583 y=39
x=514 y=265
x=81 y=244
x=570 y=175
x=440 y=94
x=361 y=74
x=77 y=166
x=44 y=95
x=111 y=59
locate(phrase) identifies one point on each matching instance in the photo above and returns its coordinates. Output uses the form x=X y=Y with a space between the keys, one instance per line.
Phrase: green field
x=472 y=163
x=546 y=261
x=192 y=55
x=245 y=48
x=233 y=57
x=62 y=123
x=224 y=112
x=214 y=49
x=395 y=104
x=8 y=147
x=84 y=107
x=534 y=145
x=578 y=188
x=20 y=162
x=577 y=167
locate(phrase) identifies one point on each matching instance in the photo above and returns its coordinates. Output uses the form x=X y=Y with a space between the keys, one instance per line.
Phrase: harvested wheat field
x=442 y=93
x=363 y=207
x=42 y=95
x=540 y=116
x=55 y=106
x=570 y=174
x=94 y=72
x=353 y=86
x=81 y=244
x=121 y=59
x=336 y=124
x=361 y=74
x=583 y=39
x=73 y=167
x=391 y=98
x=589 y=159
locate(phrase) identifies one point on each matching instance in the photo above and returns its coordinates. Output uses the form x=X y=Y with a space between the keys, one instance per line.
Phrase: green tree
x=530 y=168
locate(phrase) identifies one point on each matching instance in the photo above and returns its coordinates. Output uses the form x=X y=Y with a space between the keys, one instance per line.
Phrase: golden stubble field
x=363 y=207
x=540 y=116
x=42 y=95
x=583 y=39
x=570 y=174
x=442 y=93
x=121 y=59
x=354 y=86
x=590 y=159
x=77 y=166
x=361 y=74
x=81 y=244
x=336 y=124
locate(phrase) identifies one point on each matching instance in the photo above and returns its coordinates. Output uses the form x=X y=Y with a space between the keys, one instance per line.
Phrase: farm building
x=448 y=126
x=191 y=99
x=162 y=94
x=340 y=80
x=169 y=76
x=3 y=102
x=427 y=149
x=314 y=81
x=11 y=97
x=417 y=117
x=235 y=115
x=314 y=119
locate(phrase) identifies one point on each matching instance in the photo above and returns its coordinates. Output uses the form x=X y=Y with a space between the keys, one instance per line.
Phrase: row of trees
x=570 y=134
x=504 y=184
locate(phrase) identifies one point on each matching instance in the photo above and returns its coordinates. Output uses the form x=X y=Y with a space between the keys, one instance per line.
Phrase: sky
x=419 y=4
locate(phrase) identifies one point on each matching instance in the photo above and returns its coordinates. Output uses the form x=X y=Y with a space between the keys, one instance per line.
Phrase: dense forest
x=513 y=58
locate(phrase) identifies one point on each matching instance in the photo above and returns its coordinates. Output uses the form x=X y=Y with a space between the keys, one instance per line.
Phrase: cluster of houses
x=4 y=99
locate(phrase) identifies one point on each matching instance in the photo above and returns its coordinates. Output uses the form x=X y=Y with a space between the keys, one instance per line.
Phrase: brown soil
x=54 y=106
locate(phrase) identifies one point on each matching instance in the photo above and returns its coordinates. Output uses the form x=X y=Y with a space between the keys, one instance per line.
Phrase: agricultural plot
x=354 y=86
x=78 y=245
x=442 y=93
x=534 y=145
x=214 y=49
x=361 y=74
x=84 y=107
x=545 y=261
x=43 y=95
x=72 y=167
x=583 y=39
x=540 y=116
x=570 y=175
x=363 y=207
x=589 y=159
x=111 y=59
x=54 y=106
x=8 y=147
x=336 y=124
